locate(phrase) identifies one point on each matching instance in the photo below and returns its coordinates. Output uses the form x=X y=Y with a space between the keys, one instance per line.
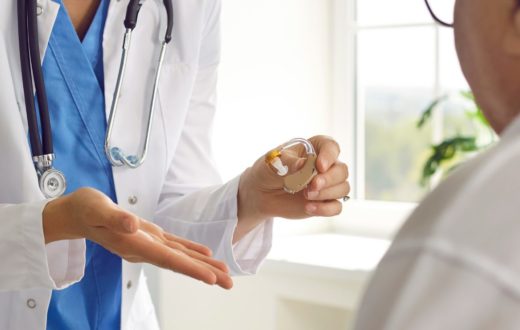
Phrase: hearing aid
x=295 y=182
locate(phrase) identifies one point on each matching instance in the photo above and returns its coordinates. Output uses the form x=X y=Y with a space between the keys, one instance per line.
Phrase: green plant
x=454 y=150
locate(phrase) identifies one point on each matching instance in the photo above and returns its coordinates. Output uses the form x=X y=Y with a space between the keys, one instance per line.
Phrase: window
x=361 y=71
x=401 y=62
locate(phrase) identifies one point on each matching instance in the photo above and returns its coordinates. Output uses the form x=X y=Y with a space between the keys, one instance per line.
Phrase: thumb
x=122 y=222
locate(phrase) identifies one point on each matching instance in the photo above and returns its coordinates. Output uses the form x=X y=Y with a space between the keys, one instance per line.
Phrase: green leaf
x=445 y=152
x=428 y=112
x=450 y=152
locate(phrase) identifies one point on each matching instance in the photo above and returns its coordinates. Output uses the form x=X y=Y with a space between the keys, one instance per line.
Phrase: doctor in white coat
x=456 y=262
x=42 y=243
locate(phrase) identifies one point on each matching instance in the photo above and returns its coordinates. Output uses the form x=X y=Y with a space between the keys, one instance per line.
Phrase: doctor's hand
x=87 y=213
x=262 y=195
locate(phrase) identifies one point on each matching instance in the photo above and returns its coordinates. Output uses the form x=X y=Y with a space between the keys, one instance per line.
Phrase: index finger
x=328 y=151
x=153 y=252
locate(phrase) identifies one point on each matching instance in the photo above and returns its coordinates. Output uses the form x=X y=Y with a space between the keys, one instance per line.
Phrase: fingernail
x=311 y=208
x=312 y=194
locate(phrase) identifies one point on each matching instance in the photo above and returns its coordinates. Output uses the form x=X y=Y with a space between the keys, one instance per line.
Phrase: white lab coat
x=456 y=262
x=177 y=187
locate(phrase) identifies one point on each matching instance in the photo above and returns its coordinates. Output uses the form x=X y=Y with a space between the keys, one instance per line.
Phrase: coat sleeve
x=27 y=262
x=437 y=288
x=193 y=203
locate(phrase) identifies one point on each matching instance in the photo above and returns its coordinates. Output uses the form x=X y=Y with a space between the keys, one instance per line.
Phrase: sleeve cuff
x=66 y=260
x=247 y=255
x=56 y=265
x=209 y=216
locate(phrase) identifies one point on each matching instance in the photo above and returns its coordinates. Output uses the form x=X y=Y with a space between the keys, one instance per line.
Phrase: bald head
x=487 y=37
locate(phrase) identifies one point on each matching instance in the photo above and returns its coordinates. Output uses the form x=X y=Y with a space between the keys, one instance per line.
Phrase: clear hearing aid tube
x=294 y=182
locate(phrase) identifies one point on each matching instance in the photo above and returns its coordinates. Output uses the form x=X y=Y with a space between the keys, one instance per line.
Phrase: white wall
x=283 y=297
x=275 y=77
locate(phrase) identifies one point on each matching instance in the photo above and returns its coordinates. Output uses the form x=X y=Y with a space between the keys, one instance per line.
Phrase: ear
x=512 y=37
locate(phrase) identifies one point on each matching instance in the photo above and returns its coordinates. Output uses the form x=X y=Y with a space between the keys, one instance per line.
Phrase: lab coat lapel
x=112 y=43
x=17 y=170
x=22 y=175
x=49 y=12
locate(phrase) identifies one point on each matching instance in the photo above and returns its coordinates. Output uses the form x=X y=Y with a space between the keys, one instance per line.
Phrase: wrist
x=57 y=224
x=250 y=198
x=251 y=211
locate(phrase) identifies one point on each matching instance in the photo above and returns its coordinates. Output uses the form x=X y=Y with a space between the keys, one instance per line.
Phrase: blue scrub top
x=73 y=73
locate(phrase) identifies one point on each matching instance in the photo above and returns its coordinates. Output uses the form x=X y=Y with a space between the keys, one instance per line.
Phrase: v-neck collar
x=94 y=39
x=72 y=57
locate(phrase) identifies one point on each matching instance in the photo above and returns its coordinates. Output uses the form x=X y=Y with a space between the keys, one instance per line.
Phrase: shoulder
x=202 y=10
x=484 y=191
x=195 y=30
x=476 y=210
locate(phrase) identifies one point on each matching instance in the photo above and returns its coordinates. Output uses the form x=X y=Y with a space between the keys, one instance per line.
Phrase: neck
x=81 y=13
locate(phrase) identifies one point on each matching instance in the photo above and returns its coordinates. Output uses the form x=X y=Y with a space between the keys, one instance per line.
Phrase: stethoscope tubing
x=30 y=61
x=116 y=155
x=31 y=69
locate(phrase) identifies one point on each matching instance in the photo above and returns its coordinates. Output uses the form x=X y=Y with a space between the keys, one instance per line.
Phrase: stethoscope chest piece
x=53 y=183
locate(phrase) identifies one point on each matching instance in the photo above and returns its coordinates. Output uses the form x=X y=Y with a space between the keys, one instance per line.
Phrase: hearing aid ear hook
x=295 y=182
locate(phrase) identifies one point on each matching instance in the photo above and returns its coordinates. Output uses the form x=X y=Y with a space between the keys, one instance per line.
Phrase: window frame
x=366 y=217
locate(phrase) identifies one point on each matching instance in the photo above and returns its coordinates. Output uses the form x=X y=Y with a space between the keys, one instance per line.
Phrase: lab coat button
x=129 y=284
x=39 y=9
x=31 y=303
x=132 y=200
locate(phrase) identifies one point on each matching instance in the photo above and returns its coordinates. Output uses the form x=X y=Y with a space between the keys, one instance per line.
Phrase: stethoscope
x=51 y=181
